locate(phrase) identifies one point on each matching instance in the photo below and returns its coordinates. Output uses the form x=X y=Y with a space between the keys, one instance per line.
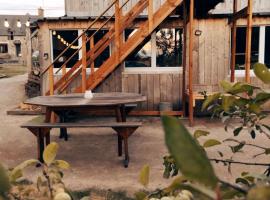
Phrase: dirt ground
x=12 y=69
x=92 y=153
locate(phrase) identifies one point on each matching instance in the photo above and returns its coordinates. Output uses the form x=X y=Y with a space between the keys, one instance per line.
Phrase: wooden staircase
x=121 y=48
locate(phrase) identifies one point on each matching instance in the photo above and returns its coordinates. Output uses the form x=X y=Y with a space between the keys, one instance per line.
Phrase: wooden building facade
x=158 y=70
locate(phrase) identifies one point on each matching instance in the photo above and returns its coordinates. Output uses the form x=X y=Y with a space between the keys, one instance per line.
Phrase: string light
x=64 y=42
x=19 y=24
x=6 y=24
x=27 y=23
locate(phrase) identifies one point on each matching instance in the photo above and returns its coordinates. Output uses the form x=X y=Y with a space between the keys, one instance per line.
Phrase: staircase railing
x=85 y=39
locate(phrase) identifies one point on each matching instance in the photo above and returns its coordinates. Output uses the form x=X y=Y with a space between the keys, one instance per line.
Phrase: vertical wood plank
x=84 y=63
x=51 y=80
x=191 y=21
x=143 y=84
x=163 y=89
x=233 y=49
x=150 y=91
x=248 y=42
x=156 y=91
x=184 y=60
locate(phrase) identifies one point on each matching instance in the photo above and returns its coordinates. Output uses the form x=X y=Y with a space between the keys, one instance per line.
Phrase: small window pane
x=97 y=37
x=169 y=47
x=3 y=48
x=141 y=56
x=18 y=50
x=241 y=46
x=60 y=40
x=267 y=46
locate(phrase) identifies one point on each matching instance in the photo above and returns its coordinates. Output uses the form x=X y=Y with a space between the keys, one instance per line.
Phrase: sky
x=13 y=7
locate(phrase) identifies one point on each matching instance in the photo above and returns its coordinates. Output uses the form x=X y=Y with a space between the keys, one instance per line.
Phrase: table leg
x=40 y=142
x=123 y=113
x=63 y=131
x=119 y=119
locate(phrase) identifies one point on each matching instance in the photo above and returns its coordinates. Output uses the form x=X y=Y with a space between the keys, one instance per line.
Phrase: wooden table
x=62 y=104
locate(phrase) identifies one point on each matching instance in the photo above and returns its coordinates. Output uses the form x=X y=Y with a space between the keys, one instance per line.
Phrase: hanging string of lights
x=19 y=23
x=62 y=40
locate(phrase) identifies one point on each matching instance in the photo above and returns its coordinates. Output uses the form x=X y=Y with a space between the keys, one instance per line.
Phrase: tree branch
x=239 y=162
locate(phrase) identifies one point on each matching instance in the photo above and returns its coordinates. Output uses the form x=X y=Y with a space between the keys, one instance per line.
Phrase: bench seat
x=42 y=131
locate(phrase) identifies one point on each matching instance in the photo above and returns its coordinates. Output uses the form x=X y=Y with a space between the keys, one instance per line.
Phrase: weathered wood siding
x=227 y=6
x=96 y=7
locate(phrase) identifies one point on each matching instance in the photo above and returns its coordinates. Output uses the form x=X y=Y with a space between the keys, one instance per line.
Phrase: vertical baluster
x=117 y=29
x=64 y=71
x=150 y=15
x=51 y=80
x=84 y=62
x=248 y=41
x=92 y=44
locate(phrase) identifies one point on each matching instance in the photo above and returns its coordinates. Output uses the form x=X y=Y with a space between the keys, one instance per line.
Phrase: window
x=162 y=49
x=10 y=35
x=141 y=56
x=18 y=50
x=60 y=41
x=3 y=48
x=267 y=46
x=241 y=46
x=106 y=53
x=169 y=47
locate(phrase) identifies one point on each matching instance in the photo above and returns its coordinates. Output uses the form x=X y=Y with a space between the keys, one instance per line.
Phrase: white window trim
x=241 y=73
x=153 y=69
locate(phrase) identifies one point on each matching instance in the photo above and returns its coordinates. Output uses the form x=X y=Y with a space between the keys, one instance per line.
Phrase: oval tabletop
x=78 y=100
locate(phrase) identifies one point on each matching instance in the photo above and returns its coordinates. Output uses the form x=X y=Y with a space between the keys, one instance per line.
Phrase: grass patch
x=12 y=70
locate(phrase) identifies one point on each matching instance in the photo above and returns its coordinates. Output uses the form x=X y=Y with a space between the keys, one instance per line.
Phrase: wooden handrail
x=71 y=44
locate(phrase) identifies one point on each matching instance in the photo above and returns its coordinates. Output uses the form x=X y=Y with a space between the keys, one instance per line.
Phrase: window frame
x=262 y=28
x=154 y=68
x=6 y=44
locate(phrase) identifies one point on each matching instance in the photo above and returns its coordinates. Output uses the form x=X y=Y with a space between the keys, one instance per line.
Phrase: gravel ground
x=92 y=152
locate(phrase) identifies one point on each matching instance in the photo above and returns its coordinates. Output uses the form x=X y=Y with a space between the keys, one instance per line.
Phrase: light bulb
x=19 y=24
x=59 y=37
x=54 y=32
x=6 y=24
x=27 y=23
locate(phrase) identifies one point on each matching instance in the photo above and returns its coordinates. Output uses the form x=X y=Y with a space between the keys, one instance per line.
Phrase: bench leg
x=40 y=142
x=126 y=161
x=120 y=146
x=63 y=131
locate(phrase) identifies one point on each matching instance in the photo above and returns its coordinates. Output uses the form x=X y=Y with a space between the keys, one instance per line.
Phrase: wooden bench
x=42 y=131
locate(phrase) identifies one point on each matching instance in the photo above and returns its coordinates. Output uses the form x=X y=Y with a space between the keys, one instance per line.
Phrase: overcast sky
x=51 y=7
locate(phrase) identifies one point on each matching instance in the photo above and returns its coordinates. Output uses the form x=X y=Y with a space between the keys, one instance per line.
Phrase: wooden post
x=84 y=63
x=51 y=80
x=64 y=71
x=184 y=60
x=150 y=15
x=248 y=41
x=117 y=29
x=190 y=73
x=92 y=44
x=233 y=42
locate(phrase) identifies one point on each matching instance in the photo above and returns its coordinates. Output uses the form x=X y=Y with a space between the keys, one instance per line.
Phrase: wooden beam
x=150 y=15
x=51 y=80
x=184 y=60
x=248 y=42
x=84 y=63
x=190 y=72
x=238 y=15
x=92 y=44
x=233 y=42
x=64 y=71
x=117 y=29
x=156 y=113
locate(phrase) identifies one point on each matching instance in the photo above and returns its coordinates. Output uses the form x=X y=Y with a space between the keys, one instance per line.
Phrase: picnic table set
x=119 y=104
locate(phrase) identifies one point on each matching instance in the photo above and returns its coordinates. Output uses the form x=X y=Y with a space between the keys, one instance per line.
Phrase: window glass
x=169 y=47
x=18 y=50
x=141 y=56
x=3 y=48
x=10 y=35
x=106 y=53
x=267 y=46
x=61 y=39
x=241 y=47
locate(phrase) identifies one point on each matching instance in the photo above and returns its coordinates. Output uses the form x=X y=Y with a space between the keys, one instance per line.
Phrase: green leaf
x=140 y=195
x=15 y=175
x=4 y=181
x=259 y=193
x=237 y=131
x=255 y=108
x=238 y=147
x=211 y=143
x=242 y=88
x=226 y=85
x=176 y=184
x=210 y=99
x=242 y=180
x=62 y=196
x=189 y=156
x=200 y=133
x=61 y=164
x=144 y=176
x=50 y=152
x=262 y=97
x=262 y=72
x=227 y=102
